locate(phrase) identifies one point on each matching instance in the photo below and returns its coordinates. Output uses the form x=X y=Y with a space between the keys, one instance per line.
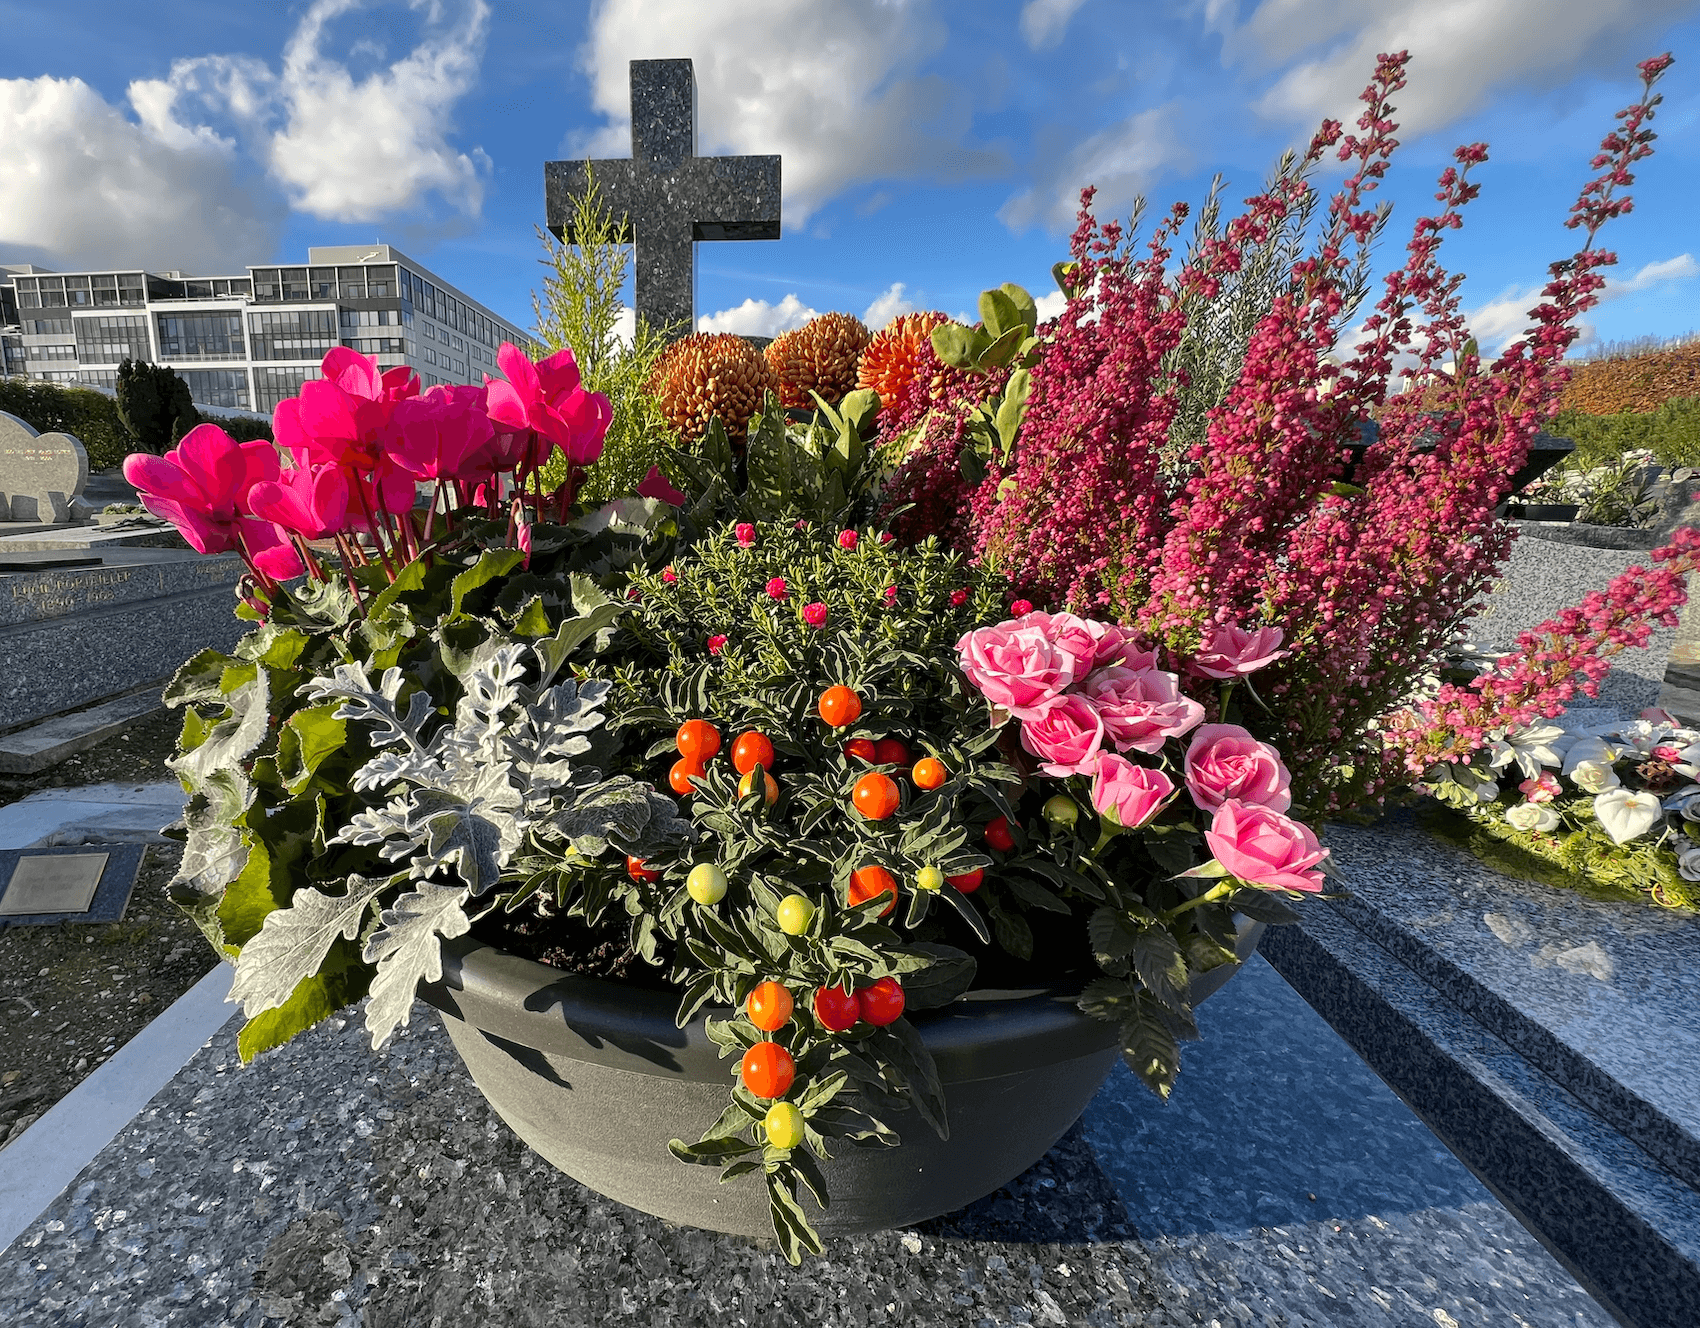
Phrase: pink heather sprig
x=1567 y=654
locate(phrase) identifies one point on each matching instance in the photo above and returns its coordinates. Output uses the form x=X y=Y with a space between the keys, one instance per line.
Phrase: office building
x=247 y=341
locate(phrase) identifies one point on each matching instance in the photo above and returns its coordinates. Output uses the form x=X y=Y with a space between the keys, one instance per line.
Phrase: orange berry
x=638 y=872
x=697 y=741
x=929 y=773
x=767 y=1069
x=862 y=749
x=875 y=796
x=679 y=777
x=747 y=785
x=751 y=750
x=840 y=706
x=769 y=1006
x=870 y=883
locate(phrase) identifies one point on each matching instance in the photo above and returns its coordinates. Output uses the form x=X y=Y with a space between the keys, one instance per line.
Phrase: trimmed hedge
x=1637 y=381
x=92 y=417
x=1671 y=433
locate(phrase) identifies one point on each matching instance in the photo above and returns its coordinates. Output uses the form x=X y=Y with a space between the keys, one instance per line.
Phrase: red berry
x=875 y=796
x=881 y=1002
x=891 y=751
x=836 y=1008
x=636 y=869
x=767 y=1069
x=998 y=835
x=752 y=749
x=968 y=882
x=697 y=741
x=863 y=749
x=869 y=883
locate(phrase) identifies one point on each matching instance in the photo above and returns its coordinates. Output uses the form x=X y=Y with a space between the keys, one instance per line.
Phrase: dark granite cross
x=669 y=197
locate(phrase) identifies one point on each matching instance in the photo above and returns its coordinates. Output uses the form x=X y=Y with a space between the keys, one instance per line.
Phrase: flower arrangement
x=812 y=769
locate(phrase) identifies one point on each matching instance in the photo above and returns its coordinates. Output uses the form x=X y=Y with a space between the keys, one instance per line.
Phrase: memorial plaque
x=60 y=883
x=40 y=473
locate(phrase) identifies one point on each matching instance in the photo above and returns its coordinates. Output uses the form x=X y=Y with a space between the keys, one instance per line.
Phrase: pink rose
x=847 y=539
x=1116 y=647
x=716 y=644
x=746 y=534
x=1262 y=847
x=1142 y=708
x=1065 y=736
x=1225 y=762
x=1016 y=667
x=815 y=614
x=776 y=588
x=1070 y=634
x=958 y=598
x=890 y=595
x=1128 y=794
x=1231 y=652
x=668 y=574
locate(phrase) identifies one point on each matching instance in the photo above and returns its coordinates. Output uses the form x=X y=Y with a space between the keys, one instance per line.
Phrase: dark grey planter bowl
x=595 y=1076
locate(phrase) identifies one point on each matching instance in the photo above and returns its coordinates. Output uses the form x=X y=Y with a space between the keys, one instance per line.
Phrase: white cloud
x=889 y=304
x=832 y=85
x=1043 y=22
x=1051 y=305
x=1461 y=50
x=191 y=181
x=1501 y=320
x=758 y=318
x=84 y=185
x=1123 y=161
x=625 y=325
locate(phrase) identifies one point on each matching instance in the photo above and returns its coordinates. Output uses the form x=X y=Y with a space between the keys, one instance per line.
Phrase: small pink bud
x=886 y=537
x=958 y=598
x=746 y=534
x=891 y=594
x=1021 y=608
x=776 y=588
x=847 y=539
x=669 y=575
x=815 y=614
x=716 y=644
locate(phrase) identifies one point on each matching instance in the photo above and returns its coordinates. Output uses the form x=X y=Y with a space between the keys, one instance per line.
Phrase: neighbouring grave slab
x=1548 y=1038
x=42 y=886
x=74 y=636
x=94 y=813
x=30 y=750
x=41 y=474
x=326 y=1184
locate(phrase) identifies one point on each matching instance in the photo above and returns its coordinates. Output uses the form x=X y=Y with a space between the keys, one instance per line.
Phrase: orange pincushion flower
x=707 y=375
x=820 y=356
x=897 y=353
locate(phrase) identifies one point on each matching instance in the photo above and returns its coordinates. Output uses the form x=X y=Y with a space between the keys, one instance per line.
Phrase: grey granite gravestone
x=40 y=474
x=46 y=886
x=668 y=197
x=73 y=636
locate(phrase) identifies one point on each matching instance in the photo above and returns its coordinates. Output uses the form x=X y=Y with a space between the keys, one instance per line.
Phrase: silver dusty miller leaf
x=407 y=951
x=292 y=942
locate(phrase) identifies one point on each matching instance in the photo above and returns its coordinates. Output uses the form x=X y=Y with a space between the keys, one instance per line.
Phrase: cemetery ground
x=72 y=994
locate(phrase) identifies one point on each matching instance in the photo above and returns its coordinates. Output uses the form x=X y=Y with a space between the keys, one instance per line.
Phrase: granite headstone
x=666 y=196
x=40 y=473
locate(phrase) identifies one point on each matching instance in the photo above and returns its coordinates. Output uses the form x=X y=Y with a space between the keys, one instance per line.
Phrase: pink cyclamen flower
x=1229 y=651
x=1021 y=607
x=1226 y=763
x=1066 y=736
x=891 y=595
x=524 y=543
x=746 y=534
x=1543 y=789
x=815 y=614
x=657 y=485
x=311 y=502
x=202 y=485
x=444 y=434
x=847 y=539
x=958 y=598
x=1262 y=847
x=1142 y=708
x=1017 y=668
x=668 y=574
x=272 y=551
x=716 y=644
x=776 y=588
x=1128 y=794
x=548 y=399
x=886 y=537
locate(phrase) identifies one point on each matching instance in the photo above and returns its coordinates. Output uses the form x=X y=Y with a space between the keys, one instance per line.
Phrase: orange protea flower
x=897 y=353
x=707 y=375
x=821 y=356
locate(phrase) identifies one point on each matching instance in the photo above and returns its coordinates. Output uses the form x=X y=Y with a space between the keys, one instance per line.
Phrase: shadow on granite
x=329 y=1186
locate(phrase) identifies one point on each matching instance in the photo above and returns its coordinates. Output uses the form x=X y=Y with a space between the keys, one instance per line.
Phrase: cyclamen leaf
x=407 y=952
x=231 y=739
x=292 y=942
x=213 y=852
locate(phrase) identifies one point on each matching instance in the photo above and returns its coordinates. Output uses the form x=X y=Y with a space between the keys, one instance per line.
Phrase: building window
x=98 y=378
x=306 y=334
x=377 y=345
x=380 y=282
x=274 y=385
x=295 y=283
x=132 y=290
x=201 y=336
x=48 y=327
x=217 y=387
x=51 y=352
x=107 y=339
x=370 y=317
x=56 y=377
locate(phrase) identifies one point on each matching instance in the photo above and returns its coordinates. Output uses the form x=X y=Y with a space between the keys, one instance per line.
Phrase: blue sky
x=930 y=149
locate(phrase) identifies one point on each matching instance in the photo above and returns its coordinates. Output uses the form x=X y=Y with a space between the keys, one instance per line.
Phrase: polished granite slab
x=326 y=1185
x=1547 y=1038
